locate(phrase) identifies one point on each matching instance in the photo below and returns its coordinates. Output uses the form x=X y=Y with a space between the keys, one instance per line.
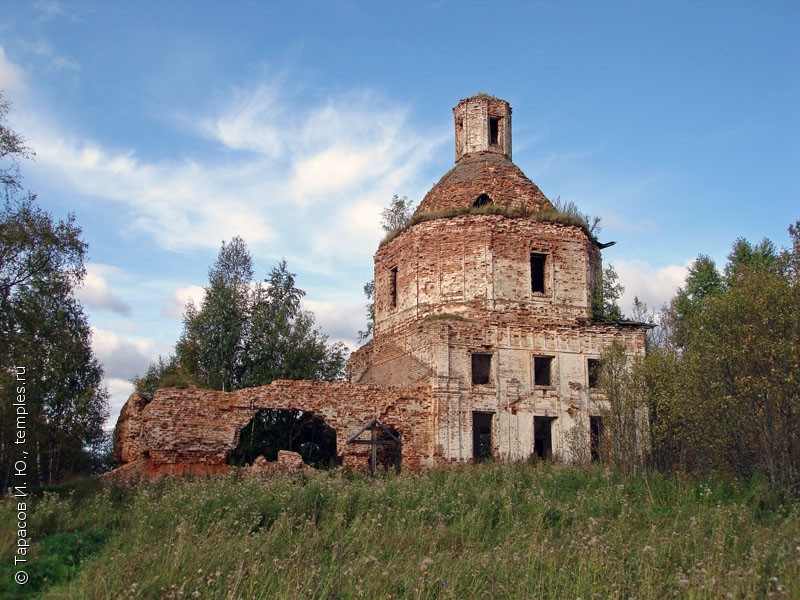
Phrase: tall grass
x=484 y=531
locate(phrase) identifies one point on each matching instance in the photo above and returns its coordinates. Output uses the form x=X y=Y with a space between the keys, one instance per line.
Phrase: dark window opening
x=594 y=372
x=494 y=130
x=393 y=287
x=481 y=368
x=481 y=436
x=538 y=262
x=275 y=429
x=481 y=200
x=543 y=437
x=595 y=434
x=542 y=366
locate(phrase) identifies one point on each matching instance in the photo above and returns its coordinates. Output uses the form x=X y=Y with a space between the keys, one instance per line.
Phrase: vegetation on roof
x=564 y=217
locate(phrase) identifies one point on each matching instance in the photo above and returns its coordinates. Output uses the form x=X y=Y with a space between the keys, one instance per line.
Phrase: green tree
x=605 y=300
x=282 y=341
x=624 y=410
x=246 y=334
x=369 y=292
x=12 y=148
x=726 y=395
x=703 y=282
x=744 y=364
x=744 y=254
x=398 y=214
x=44 y=330
x=212 y=345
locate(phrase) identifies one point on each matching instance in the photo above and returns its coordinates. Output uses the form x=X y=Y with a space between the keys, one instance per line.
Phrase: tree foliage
x=282 y=342
x=44 y=330
x=246 y=334
x=369 y=292
x=724 y=392
x=397 y=214
x=605 y=299
x=624 y=411
x=12 y=148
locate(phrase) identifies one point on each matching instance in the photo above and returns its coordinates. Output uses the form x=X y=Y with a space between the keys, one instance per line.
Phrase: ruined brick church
x=484 y=343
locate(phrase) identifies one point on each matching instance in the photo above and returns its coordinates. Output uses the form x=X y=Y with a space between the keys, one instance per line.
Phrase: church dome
x=483 y=178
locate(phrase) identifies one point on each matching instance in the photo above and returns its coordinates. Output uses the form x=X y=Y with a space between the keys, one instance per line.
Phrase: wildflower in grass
x=649 y=550
x=426 y=562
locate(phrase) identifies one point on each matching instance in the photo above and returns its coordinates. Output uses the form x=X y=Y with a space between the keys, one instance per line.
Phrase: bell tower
x=483 y=124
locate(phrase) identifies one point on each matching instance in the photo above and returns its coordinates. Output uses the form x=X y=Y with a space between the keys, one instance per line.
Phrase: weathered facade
x=484 y=342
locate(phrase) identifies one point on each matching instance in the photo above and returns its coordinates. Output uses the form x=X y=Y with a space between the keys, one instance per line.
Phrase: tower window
x=542 y=370
x=538 y=262
x=481 y=368
x=494 y=131
x=393 y=287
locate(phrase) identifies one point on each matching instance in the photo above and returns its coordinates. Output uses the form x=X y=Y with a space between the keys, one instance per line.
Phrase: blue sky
x=167 y=127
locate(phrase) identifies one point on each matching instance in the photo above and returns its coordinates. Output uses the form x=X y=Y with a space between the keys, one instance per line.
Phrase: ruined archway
x=274 y=429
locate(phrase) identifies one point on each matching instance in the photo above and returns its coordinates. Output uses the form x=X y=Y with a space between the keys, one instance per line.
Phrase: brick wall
x=474 y=265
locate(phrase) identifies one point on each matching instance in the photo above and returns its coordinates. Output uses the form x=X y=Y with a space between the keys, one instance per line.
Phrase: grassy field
x=485 y=531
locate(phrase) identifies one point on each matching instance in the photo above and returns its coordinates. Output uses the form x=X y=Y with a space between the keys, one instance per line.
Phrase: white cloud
x=182 y=205
x=654 y=286
x=356 y=150
x=96 y=293
x=338 y=320
x=180 y=298
x=122 y=357
x=12 y=78
x=331 y=170
x=251 y=122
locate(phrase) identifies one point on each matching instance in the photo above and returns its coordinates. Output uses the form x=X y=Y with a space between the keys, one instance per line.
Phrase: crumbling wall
x=192 y=429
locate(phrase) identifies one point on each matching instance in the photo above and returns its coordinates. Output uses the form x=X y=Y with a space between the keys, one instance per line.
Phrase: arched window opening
x=482 y=200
